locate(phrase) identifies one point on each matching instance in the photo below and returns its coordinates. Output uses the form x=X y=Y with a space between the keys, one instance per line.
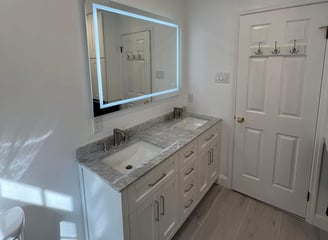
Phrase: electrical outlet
x=98 y=125
x=222 y=77
x=160 y=74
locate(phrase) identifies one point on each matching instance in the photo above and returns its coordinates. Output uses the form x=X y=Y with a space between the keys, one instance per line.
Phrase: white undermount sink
x=190 y=123
x=130 y=157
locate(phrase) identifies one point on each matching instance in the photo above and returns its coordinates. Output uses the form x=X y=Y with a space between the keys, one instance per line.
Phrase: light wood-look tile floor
x=228 y=215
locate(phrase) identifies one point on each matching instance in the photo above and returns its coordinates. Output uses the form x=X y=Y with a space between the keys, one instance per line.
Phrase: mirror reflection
x=133 y=57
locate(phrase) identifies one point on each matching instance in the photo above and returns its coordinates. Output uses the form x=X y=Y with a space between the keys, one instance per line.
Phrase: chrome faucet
x=177 y=112
x=119 y=135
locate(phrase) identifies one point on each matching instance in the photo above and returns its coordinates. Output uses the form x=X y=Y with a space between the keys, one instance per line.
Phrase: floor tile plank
x=203 y=208
x=293 y=228
x=261 y=222
x=225 y=217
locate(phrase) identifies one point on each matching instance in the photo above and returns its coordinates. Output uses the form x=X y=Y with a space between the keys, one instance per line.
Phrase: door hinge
x=121 y=47
x=325 y=27
x=308 y=196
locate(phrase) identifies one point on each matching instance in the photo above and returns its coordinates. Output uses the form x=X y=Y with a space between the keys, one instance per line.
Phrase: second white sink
x=190 y=123
x=130 y=157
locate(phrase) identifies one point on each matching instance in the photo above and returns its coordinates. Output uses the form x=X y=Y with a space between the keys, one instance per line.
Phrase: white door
x=278 y=96
x=136 y=64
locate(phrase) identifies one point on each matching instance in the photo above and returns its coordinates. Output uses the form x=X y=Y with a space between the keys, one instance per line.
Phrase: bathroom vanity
x=145 y=188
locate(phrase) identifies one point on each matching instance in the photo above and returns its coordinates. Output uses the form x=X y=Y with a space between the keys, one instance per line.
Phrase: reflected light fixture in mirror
x=133 y=56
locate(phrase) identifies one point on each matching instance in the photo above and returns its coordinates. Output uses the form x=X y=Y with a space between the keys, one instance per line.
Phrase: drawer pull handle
x=212 y=157
x=207 y=139
x=189 y=204
x=157 y=211
x=163 y=205
x=188 y=190
x=154 y=183
x=188 y=155
x=189 y=172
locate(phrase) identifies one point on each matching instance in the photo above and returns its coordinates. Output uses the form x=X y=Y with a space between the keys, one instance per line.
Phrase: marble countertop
x=161 y=133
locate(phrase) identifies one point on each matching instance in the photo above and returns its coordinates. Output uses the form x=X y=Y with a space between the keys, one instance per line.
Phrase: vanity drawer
x=188 y=204
x=189 y=171
x=152 y=180
x=188 y=186
x=187 y=154
x=208 y=137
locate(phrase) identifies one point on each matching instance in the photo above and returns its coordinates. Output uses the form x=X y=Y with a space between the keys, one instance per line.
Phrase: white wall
x=212 y=34
x=46 y=110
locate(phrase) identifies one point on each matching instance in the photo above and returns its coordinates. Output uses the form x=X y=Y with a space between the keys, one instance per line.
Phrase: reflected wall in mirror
x=133 y=56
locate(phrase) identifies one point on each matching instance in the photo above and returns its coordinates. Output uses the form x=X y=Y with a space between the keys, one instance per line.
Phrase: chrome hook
x=294 y=50
x=129 y=55
x=259 y=50
x=276 y=50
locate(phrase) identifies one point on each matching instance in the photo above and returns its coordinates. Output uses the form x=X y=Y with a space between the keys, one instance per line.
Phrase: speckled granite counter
x=159 y=131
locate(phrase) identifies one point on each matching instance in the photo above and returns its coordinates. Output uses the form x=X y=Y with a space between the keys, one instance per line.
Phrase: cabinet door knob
x=240 y=119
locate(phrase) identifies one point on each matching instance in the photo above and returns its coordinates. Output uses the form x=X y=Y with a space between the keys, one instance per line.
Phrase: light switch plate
x=98 y=125
x=160 y=74
x=222 y=77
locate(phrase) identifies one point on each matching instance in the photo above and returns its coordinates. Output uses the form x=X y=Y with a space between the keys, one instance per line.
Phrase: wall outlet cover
x=98 y=125
x=222 y=77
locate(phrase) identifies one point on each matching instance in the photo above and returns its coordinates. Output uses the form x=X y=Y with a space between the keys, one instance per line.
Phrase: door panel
x=257 y=85
x=252 y=150
x=292 y=87
x=285 y=161
x=136 y=65
x=278 y=94
x=144 y=221
x=169 y=203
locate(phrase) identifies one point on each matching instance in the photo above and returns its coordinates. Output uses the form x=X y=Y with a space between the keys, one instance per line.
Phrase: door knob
x=240 y=119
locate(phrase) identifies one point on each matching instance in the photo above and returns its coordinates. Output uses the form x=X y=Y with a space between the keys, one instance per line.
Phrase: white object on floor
x=12 y=223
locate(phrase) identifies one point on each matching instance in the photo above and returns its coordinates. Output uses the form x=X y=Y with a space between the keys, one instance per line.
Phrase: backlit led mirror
x=133 y=56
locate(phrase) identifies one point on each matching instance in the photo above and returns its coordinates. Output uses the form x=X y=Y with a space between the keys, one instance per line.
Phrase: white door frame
x=317 y=155
x=315 y=162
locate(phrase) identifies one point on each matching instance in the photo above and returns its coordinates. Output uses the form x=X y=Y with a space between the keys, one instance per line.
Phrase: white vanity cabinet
x=157 y=204
x=208 y=162
x=153 y=203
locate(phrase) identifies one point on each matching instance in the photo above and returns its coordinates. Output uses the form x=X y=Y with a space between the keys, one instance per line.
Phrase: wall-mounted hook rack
x=259 y=50
x=294 y=50
x=276 y=50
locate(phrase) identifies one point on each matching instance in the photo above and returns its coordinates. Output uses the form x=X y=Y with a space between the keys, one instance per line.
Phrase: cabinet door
x=144 y=221
x=203 y=166
x=212 y=167
x=169 y=202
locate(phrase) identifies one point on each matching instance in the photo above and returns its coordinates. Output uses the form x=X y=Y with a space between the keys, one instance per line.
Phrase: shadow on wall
x=18 y=154
x=44 y=209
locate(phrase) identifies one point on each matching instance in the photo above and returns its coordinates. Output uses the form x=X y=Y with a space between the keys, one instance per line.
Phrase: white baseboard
x=321 y=222
x=223 y=180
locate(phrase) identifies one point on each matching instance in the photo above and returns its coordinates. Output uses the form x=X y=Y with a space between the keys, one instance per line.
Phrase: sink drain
x=128 y=167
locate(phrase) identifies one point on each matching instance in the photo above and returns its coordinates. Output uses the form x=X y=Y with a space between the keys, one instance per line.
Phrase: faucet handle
x=126 y=136
x=177 y=112
x=106 y=146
